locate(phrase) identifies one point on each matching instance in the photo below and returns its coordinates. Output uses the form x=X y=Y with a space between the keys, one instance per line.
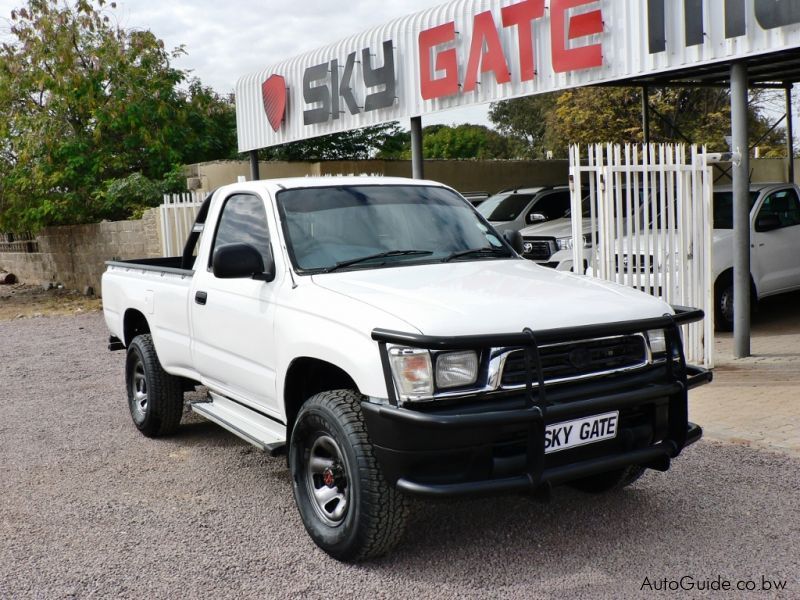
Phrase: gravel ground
x=90 y=508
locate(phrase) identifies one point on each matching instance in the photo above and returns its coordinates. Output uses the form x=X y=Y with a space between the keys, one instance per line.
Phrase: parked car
x=390 y=342
x=517 y=208
x=774 y=247
x=550 y=243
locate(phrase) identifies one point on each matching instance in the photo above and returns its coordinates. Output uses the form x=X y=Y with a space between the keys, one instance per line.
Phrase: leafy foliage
x=128 y=197
x=84 y=103
x=526 y=120
x=358 y=144
x=614 y=114
x=454 y=142
x=468 y=141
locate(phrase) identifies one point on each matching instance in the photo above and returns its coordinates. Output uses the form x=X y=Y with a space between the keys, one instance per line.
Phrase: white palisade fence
x=177 y=218
x=642 y=217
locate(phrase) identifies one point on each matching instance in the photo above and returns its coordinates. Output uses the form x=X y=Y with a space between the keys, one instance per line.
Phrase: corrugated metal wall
x=624 y=42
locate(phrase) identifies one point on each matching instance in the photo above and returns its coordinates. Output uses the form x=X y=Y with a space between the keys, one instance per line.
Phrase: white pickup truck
x=386 y=338
x=774 y=245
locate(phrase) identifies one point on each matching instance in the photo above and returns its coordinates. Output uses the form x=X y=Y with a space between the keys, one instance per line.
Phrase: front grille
x=538 y=248
x=635 y=263
x=578 y=359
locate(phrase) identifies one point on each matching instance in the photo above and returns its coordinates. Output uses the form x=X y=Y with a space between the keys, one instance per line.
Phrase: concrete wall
x=75 y=255
x=463 y=175
x=762 y=170
x=205 y=177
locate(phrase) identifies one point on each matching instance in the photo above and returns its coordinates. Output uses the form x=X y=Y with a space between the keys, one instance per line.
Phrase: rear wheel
x=608 y=481
x=155 y=398
x=347 y=506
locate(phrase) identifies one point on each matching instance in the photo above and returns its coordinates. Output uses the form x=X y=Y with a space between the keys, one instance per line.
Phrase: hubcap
x=139 y=392
x=326 y=480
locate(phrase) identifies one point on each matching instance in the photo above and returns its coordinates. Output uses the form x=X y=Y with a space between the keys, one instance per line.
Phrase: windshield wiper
x=486 y=251
x=390 y=253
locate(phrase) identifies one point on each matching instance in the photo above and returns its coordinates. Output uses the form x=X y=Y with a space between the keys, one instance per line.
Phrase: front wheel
x=723 y=306
x=347 y=506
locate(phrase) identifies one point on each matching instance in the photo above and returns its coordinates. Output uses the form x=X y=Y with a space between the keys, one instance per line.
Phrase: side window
x=783 y=204
x=552 y=206
x=243 y=220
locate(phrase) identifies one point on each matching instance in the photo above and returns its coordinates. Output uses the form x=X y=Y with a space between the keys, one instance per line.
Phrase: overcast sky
x=225 y=39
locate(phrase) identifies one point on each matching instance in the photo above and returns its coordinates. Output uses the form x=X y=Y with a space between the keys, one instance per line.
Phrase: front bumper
x=494 y=445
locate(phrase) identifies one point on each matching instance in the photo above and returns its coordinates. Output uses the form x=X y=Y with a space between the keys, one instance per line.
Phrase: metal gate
x=641 y=216
x=177 y=218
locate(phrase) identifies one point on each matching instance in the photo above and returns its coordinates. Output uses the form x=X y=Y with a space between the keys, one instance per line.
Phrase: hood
x=557 y=228
x=490 y=296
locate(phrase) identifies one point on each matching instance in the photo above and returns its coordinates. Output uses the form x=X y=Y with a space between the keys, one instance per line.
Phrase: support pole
x=646 y=114
x=741 y=213
x=254 y=176
x=417 y=164
x=789 y=132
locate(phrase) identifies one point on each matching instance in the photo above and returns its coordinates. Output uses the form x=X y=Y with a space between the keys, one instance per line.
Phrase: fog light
x=456 y=369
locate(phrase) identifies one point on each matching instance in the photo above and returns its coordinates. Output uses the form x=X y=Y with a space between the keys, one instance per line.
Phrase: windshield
x=504 y=206
x=723 y=208
x=372 y=226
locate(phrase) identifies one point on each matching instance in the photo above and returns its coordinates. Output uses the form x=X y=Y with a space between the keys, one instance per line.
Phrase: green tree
x=454 y=142
x=614 y=114
x=357 y=144
x=468 y=141
x=525 y=119
x=84 y=103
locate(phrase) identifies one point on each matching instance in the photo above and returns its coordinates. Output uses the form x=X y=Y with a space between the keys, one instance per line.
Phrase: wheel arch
x=307 y=376
x=133 y=323
x=727 y=277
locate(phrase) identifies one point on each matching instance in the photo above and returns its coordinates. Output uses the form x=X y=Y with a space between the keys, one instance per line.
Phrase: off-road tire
x=376 y=513
x=608 y=481
x=159 y=412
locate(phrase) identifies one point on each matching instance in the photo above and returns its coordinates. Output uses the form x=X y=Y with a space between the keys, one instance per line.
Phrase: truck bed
x=168 y=264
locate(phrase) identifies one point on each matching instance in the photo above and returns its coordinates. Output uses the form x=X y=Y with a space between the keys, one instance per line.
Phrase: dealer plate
x=579 y=432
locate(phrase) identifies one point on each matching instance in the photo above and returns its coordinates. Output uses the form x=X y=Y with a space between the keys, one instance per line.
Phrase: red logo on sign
x=273 y=92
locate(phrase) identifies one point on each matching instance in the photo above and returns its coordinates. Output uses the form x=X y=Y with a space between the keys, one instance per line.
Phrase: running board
x=251 y=426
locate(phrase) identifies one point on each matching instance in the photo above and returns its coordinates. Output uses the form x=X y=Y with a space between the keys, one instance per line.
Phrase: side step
x=251 y=426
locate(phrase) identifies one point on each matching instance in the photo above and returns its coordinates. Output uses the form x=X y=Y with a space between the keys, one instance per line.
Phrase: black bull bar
x=537 y=412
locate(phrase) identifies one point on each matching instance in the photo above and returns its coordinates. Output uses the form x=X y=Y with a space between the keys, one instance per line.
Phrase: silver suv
x=517 y=208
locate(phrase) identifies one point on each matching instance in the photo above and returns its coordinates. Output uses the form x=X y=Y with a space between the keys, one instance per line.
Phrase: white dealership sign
x=470 y=52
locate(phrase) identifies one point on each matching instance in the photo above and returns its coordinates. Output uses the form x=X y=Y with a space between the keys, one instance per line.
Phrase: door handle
x=200 y=297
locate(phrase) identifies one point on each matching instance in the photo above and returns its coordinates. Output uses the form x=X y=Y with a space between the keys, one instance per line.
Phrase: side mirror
x=514 y=239
x=237 y=261
x=536 y=218
x=767 y=222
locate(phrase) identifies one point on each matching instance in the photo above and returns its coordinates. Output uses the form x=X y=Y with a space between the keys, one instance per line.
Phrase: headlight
x=456 y=369
x=567 y=243
x=658 y=341
x=411 y=368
